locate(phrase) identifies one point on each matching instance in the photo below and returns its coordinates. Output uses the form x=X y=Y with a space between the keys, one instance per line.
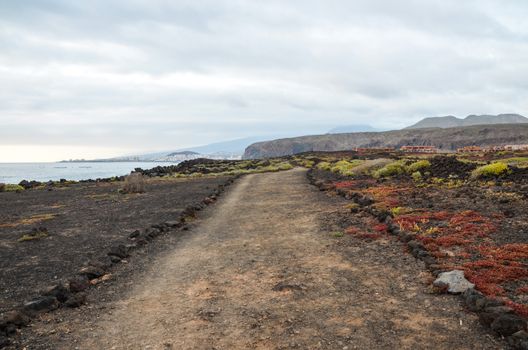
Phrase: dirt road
x=261 y=272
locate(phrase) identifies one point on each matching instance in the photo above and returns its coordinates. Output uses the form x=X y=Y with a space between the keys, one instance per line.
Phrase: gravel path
x=260 y=271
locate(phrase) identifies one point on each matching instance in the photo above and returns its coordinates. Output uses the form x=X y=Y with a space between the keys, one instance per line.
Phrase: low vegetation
x=35 y=234
x=134 y=183
x=345 y=167
x=491 y=170
x=12 y=188
x=392 y=169
x=34 y=219
x=465 y=212
x=417 y=166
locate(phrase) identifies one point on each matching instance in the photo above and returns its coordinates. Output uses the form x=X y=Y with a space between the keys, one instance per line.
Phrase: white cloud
x=160 y=74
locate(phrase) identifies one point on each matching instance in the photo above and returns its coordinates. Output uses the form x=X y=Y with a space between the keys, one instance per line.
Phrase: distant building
x=373 y=150
x=495 y=148
x=516 y=147
x=470 y=149
x=419 y=149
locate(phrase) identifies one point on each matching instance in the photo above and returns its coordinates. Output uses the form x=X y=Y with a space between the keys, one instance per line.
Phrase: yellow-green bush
x=394 y=168
x=494 y=169
x=418 y=166
x=399 y=211
x=417 y=176
x=13 y=188
x=306 y=163
x=324 y=166
x=345 y=167
x=284 y=166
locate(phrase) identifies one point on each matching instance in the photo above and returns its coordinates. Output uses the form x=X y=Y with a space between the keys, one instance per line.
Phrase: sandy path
x=259 y=273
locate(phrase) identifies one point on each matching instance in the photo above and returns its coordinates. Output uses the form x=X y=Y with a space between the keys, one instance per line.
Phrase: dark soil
x=263 y=269
x=81 y=223
x=449 y=166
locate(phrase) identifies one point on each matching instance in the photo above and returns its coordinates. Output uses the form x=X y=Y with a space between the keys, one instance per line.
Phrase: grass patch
x=34 y=235
x=30 y=221
x=13 y=188
x=521 y=162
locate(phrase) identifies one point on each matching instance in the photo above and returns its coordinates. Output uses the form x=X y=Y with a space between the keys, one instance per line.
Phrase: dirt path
x=259 y=273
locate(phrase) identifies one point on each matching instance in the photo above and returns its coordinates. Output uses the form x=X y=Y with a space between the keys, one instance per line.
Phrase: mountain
x=351 y=128
x=448 y=139
x=231 y=147
x=451 y=121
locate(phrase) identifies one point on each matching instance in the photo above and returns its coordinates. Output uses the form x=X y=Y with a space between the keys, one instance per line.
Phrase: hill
x=448 y=139
x=451 y=121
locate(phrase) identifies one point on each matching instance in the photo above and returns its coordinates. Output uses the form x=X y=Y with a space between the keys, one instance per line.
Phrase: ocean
x=13 y=173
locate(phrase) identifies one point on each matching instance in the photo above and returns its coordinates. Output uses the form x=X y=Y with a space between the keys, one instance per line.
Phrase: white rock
x=455 y=281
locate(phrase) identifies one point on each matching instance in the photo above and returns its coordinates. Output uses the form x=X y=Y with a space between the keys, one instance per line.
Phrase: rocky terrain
x=446 y=139
x=464 y=218
x=353 y=251
x=264 y=268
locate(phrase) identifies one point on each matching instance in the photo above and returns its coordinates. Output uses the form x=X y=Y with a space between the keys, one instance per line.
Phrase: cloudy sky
x=84 y=79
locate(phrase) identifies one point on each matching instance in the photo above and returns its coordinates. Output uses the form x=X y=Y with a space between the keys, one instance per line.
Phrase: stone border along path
x=492 y=313
x=71 y=291
x=259 y=271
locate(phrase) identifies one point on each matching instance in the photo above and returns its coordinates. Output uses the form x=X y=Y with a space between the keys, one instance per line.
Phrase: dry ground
x=259 y=271
x=83 y=221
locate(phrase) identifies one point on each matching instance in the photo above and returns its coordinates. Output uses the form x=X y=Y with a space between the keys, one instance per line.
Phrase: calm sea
x=13 y=173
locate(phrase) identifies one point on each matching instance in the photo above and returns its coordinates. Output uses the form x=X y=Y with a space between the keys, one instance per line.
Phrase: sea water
x=13 y=173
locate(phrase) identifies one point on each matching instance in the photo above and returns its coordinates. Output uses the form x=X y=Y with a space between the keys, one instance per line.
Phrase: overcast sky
x=84 y=79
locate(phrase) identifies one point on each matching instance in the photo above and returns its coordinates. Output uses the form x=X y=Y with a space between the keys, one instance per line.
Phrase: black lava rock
x=91 y=272
x=44 y=303
x=519 y=340
x=120 y=251
x=508 y=324
x=78 y=284
x=58 y=291
x=76 y=300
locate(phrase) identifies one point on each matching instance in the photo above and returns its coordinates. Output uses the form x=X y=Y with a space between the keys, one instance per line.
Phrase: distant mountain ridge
x=485 y=119
x=447 y=139
x=342 y=129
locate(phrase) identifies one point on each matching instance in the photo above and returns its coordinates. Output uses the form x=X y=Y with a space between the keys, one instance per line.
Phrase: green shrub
x=417 y=176
x=13 y=188
x=394 y=168
x=369 y=166
x=345 y=167
x=284 y=166
x=324 y=166
x=399 y=211
x=418 y=166
x=306 y=163
x=490 y=170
